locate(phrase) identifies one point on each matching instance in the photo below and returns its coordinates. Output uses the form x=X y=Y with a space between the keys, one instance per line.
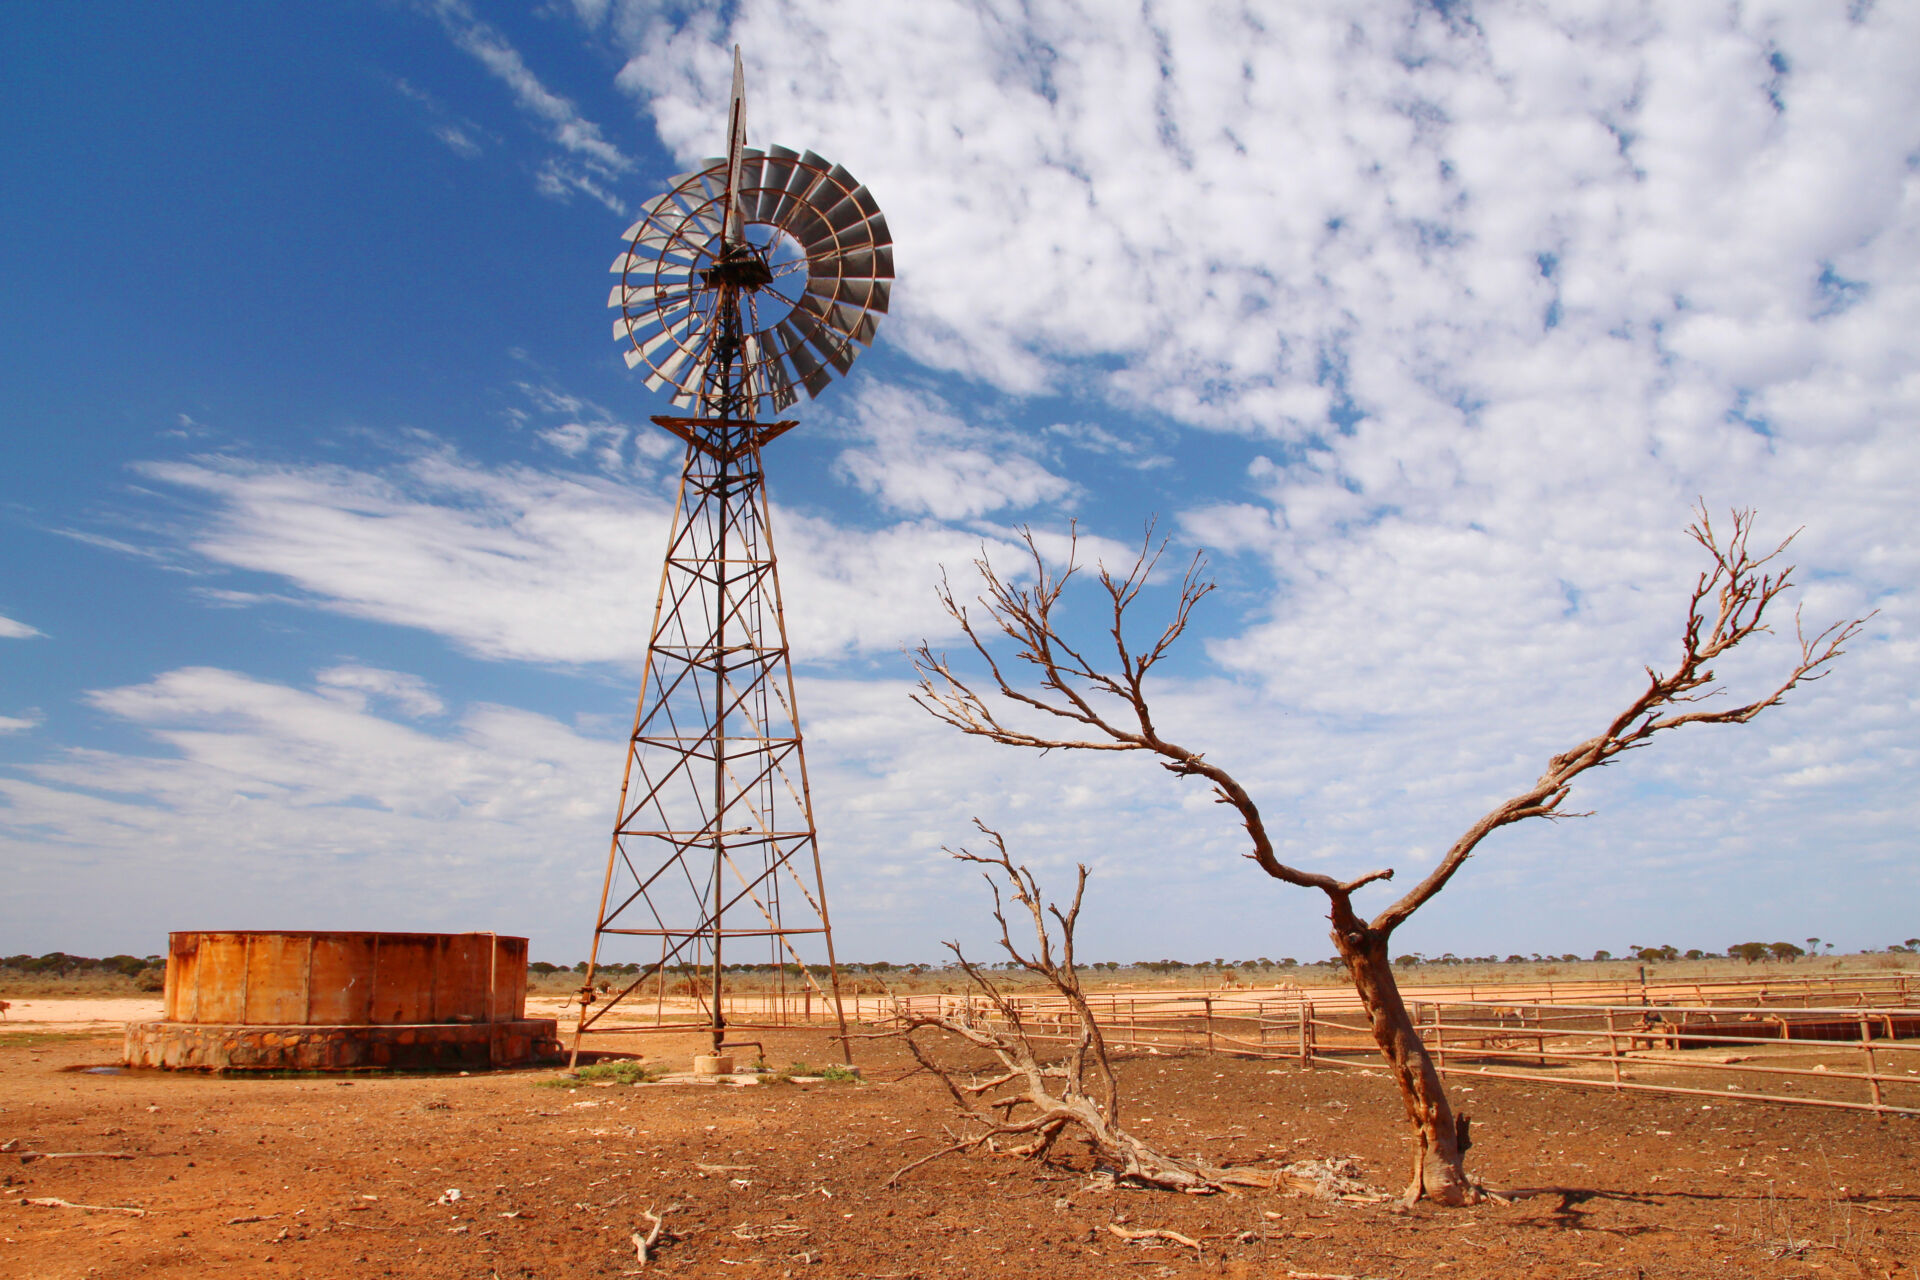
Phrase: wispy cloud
x=515 y=562
x=460 y=134
x=12 y=630
x=15 y=724
x=579 y=428
x=588 y=163
x=354 y=684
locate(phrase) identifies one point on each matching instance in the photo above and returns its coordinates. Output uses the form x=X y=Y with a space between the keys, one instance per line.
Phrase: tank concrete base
x=403 y=1047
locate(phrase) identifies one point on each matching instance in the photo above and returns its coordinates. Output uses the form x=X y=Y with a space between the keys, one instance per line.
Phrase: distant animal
x=4 y=1006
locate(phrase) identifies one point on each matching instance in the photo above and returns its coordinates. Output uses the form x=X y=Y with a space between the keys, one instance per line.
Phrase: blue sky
x=330 y=520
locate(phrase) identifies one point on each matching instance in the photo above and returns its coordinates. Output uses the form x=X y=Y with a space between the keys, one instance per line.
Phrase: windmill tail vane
x=753 y=278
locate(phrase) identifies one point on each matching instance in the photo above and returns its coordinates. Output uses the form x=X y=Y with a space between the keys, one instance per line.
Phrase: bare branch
x=1025 y=615
x=1033 y=1100
x=1728 y=606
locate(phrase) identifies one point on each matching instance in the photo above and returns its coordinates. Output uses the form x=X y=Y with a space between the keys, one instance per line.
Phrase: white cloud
x=12 y=630
x=1508 y=295
x=15 y=724
x=1496 y=300
x=518 y=563
x=275 y=807
x=409 y=693
x=918 y=457
x=457 y=132
x=578 y=428
x=588 y=162
x=509 y=563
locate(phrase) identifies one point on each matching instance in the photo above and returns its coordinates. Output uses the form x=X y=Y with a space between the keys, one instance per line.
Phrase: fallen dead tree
x=1026 y=1104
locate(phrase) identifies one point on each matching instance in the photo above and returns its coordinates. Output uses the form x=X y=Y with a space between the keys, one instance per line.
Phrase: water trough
x=329 y=1001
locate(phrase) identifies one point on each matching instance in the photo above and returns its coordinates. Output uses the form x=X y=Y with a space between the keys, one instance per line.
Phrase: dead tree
x=1105 y=708
x=1026 y=1101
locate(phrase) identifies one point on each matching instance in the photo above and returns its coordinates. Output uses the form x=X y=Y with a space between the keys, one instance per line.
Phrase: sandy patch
x=52 y=1013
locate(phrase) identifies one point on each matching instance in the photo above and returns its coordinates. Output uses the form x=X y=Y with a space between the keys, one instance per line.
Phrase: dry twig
x=1132 y=1234
x=54 y=1202
x=643 y=1244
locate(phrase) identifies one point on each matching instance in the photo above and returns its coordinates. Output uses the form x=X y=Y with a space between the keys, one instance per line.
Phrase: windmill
x=752 y=279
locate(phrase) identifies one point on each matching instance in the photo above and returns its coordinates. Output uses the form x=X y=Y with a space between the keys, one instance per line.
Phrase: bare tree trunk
x=1439 y=1165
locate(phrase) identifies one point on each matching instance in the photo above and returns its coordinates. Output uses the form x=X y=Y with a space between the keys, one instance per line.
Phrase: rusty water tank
x=321 y=1001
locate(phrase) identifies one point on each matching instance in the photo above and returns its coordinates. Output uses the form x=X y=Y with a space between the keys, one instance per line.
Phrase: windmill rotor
x=792 y=243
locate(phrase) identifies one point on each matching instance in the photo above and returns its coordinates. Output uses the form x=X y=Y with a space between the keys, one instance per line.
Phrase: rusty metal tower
x=751 y=279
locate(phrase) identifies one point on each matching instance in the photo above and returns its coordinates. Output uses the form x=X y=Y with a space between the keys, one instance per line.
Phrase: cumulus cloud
x=1493 y=301
x=1501 y=298
x=272 y=806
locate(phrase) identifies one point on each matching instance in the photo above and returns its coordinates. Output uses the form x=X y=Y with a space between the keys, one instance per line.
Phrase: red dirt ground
x=329 y=1177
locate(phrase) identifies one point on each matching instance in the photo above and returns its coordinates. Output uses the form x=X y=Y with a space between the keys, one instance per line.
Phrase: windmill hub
x=743 y=268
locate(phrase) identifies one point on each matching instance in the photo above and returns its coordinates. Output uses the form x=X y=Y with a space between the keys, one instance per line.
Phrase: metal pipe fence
x=1852 y=1045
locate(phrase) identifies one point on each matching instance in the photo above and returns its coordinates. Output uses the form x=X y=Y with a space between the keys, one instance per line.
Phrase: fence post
x=1613 y=1049
x=1306 y=1034
x=1866 y=1049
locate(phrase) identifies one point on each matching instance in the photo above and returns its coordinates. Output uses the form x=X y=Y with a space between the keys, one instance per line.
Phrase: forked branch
x=1730 y=604
x=1107 y=710
x=1031 y=1101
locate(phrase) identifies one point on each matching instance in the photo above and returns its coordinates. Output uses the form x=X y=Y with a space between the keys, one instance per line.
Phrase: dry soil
x=327 y=1177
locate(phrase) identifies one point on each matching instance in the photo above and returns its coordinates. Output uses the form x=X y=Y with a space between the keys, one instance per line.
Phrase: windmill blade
x=776 y=171
x=647 y=210
x=634 y=326
x=670 y=328
x=854 y=291
x=852 y=233
x=813 y=376
x=704 y=216
x=856 y=264
x=849 y=212
x=855 y=205
x=775 y=385
x=640 y=297
x=841 y=179
x=667 y=371
x=829 y=344
x=766 y=376
x=850 y=322
x=808 y=173
x=649 y=264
